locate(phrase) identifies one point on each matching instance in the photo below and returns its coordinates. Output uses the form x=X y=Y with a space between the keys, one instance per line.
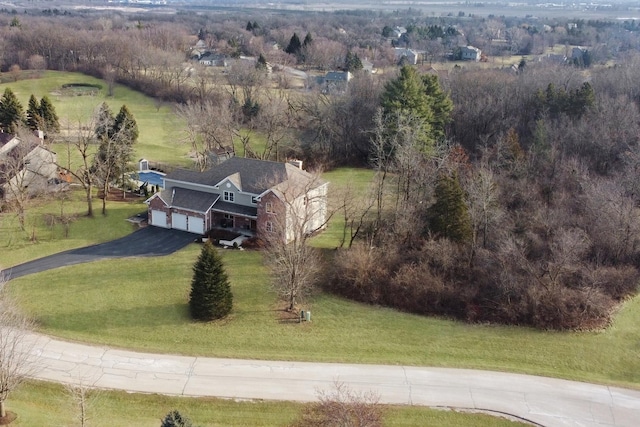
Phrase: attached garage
x=159 y=219
x=179 y=221
x=195 y=224
x=182 y=209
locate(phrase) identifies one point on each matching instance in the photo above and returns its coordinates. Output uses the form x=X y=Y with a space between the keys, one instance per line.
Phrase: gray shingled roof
x=255 y=176
x=232 y=208
x=192 y=200
x=5 y=137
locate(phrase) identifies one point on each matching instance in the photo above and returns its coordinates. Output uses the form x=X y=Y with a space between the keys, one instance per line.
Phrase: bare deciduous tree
x=15 y=347
x=482 y=199
x=83 y=142
x=211 y=126
x=299 y=211
x=84 y=398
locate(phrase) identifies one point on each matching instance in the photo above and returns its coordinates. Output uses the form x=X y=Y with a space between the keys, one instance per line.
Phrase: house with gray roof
x=248 y=196
x=27 y=167
x=334 y=81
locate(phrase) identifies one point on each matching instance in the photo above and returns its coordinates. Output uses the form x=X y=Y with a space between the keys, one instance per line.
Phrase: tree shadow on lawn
x=97 y=320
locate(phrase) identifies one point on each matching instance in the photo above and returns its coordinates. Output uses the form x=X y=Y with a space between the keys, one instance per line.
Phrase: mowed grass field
x=161 y=131
x=44 y=404
x=141 y=303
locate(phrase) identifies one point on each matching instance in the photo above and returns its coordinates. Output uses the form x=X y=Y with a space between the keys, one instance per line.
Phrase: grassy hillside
x=160 y=129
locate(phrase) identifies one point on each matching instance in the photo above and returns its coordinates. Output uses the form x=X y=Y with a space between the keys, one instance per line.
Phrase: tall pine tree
x=449 y=216
x=34 y=119
x=405 y=97
x=11 y=112
x=421 y=97
x=50 y=120
x=441 y=105
x=125 y=127
x=294 y=45
x=352 y=62
x=104 y=122
x=210 y=296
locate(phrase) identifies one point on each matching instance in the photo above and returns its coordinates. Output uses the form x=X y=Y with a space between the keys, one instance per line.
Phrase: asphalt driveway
x=146 y=242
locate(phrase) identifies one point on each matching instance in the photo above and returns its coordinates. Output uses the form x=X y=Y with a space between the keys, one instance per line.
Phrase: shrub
x=175 y=419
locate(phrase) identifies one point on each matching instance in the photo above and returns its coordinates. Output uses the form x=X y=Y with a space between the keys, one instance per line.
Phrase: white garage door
x=179 y=221
x=159 y=219
x=196 y=225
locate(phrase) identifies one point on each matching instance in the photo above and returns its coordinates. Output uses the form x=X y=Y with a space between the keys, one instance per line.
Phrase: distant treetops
x=40 y=115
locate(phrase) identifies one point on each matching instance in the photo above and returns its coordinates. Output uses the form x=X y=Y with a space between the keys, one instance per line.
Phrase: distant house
x=213 y=59
x=335 y=81
x=470 y=53
x=26 y=166
x=408 y=56
x=578 y=52
x=399 y=31
x=367 y=66
x=554 y=58
x=249 y=196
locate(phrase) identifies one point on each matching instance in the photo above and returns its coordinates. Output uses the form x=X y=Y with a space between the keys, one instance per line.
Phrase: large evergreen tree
x=104 y=122
x=49 y=117
x=125 y=127
x=210 y=296
x=449 y=216
x=352 y=62
x=308 y=39
x=421 y=97
x=294 y=45
x=11 y=112
x=34 y=119
x=441 y=105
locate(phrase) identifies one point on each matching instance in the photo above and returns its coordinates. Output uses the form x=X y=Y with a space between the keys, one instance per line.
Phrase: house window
x=228 y=196
x=269 y=207
x=269 y=226
x=254 y=200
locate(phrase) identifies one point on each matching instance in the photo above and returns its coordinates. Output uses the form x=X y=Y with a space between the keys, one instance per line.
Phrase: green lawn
x=160 y=129
x=141 y=304
x=17 y=246
x=359 y=181
x=45 y=404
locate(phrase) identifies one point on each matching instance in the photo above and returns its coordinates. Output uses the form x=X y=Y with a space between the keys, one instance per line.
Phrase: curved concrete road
x=148 y=241
x=544 y=401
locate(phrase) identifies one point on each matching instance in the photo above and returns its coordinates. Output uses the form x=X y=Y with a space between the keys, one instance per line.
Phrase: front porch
x=235 y=218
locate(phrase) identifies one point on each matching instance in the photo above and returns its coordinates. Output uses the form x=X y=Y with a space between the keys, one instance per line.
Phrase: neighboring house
x=399 y=32
x=367 y=66
x=222 y=153
x=213 y=59
x=470 y=53
x=554 y=58
x=249 y=196
x=410 y=56
x=578 y=53
x=335 y=81
x=26 y=167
